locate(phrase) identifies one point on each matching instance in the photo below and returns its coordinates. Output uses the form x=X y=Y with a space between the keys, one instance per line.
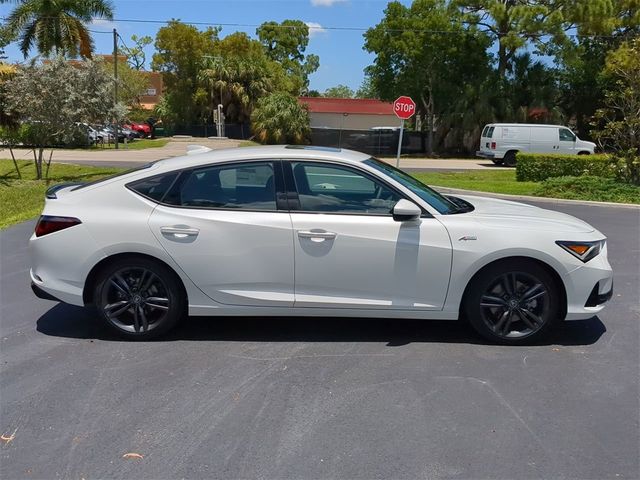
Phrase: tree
x=619 y=121
x=50 y=99
x=279 y=118
x=513 y=24
x=136 y=57
x=286 y=43
x=180 y=50
x=366 y=89
x=132 y=84
x=339 y=91
x=56 y=27
x=240 y=73
x=414 y=57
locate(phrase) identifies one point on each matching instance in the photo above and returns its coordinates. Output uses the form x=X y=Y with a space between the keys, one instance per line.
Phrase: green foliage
x=538 y=167
x=239 y=75
x=286 y=43
x=589 y=188
x=50 y=99
x=444 y=73
x=180 y=49
x=618 y=123
x=279 y=118
x=58 y=28
x=339 y=91
x=366 y=89
x=626 y=166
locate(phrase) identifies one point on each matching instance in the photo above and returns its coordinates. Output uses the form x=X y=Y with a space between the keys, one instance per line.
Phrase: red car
x=142 y=128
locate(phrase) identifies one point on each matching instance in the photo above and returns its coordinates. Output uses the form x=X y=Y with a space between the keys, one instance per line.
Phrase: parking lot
x=322 y=397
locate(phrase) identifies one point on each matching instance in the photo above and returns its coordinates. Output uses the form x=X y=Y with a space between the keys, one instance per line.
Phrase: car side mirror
x=404 y=211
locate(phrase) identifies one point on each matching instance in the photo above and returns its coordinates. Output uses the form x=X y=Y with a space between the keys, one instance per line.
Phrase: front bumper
x=589 y=287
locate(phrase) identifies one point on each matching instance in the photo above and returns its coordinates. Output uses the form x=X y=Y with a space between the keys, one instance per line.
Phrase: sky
x=342 y=59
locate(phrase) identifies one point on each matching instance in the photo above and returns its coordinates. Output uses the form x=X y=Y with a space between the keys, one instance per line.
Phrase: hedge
x=538 y=167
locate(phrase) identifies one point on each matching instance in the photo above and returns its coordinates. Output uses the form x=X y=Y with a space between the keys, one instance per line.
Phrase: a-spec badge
x=467 y=237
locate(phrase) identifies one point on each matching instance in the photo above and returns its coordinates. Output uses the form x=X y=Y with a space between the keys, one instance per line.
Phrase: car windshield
x=441 y=203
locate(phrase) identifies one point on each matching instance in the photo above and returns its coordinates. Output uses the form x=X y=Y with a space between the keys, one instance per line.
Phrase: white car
x=501 y=141
x=310 y=231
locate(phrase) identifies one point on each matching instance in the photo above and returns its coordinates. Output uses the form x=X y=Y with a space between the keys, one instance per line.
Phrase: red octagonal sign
x=404 y=107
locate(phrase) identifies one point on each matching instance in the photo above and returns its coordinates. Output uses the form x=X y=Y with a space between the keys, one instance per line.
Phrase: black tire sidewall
x=478 y=286
x=509 y=158
x=177 y=300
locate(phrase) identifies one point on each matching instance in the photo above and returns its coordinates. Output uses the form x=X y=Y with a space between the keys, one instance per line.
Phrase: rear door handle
x=179 y=231
x=316 y=234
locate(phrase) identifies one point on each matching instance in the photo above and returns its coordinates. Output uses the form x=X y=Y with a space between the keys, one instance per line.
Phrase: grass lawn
x=496 y=181
x=22 y=199
x=504 y=181
x=138 y=144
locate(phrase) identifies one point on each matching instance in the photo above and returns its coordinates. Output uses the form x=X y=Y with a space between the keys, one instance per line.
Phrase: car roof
x=300 y=152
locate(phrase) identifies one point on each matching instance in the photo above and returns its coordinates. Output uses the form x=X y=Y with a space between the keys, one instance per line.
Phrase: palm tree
x=279 y=118
x=56 y=26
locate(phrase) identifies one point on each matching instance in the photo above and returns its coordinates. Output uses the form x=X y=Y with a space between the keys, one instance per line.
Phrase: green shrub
x=538 y=167
x=589 y=187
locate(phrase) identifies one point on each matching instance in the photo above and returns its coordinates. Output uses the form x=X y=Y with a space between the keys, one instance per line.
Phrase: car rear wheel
x=509 y=158
x=513 y=302
x=139 y=298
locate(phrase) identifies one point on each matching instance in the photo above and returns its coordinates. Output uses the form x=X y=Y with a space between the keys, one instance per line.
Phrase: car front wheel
x=139 y=298
x=513 y=302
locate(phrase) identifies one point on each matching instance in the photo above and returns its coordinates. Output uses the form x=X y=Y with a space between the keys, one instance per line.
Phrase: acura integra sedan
x=310 y=231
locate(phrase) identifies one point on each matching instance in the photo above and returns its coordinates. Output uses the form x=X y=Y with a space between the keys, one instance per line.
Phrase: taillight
x=48 y=224
x=493 y=145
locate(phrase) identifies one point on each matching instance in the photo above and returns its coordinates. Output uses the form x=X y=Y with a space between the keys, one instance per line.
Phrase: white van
x=501 y=141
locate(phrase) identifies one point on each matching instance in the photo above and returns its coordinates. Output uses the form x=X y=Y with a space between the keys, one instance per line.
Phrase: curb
x=506 y=196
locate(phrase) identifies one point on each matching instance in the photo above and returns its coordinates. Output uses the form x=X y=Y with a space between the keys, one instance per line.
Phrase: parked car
x=501 y=141
x=142 y=128
x=309 y=231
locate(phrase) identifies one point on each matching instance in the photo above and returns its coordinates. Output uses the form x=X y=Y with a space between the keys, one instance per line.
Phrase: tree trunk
x=15 y=163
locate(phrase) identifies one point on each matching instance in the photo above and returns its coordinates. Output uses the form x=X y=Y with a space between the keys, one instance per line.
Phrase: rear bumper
x=40 y=293
x=483 y=154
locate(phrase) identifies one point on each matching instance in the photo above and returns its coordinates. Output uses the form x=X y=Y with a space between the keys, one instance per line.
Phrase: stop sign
x=404 y=107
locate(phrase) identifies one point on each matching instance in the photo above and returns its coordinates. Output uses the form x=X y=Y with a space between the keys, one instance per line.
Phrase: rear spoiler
x=51 y=191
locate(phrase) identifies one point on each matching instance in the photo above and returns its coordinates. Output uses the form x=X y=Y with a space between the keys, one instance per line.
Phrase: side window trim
x=292 y=192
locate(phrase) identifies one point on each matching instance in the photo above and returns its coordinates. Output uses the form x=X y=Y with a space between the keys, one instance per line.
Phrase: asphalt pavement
x=319 y=398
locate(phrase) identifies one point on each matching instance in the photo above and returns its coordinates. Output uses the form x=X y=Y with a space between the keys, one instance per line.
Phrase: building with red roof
x=349 y=113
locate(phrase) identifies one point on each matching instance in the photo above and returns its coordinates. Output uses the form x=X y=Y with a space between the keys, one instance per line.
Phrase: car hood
x=506 y=214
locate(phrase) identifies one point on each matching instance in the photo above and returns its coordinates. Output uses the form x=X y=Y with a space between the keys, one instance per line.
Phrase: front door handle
x=180 y=231
x=316 y=235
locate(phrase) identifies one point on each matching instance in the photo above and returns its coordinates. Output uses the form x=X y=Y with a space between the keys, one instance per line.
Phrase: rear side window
x=154 y=188
x=248 y=186
x=490 y=132
x=484 y=131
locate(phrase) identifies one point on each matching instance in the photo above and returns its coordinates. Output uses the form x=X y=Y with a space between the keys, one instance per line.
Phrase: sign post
x=404 y=108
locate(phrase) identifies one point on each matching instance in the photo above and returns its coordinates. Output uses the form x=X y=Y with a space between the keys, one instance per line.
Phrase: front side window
x=330 y=188
x=248 y=186
x=566 y=135
x=441 y=203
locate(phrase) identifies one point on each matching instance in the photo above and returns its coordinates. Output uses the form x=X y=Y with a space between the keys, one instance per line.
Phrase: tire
x=495 y=306
x=509 y=158
x=497 y=161
x=139 y=298
x=584 y=153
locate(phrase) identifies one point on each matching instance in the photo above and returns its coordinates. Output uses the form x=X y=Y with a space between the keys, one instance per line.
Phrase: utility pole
x=115 y=80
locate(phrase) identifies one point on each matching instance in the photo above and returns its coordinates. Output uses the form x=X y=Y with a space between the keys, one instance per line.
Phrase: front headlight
x=584 y=251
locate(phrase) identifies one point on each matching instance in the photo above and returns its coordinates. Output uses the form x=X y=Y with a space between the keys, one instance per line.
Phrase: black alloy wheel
x=139 y=298
x=513 y=303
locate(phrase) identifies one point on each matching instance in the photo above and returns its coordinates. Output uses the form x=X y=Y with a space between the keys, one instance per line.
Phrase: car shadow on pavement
x=75 y=322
